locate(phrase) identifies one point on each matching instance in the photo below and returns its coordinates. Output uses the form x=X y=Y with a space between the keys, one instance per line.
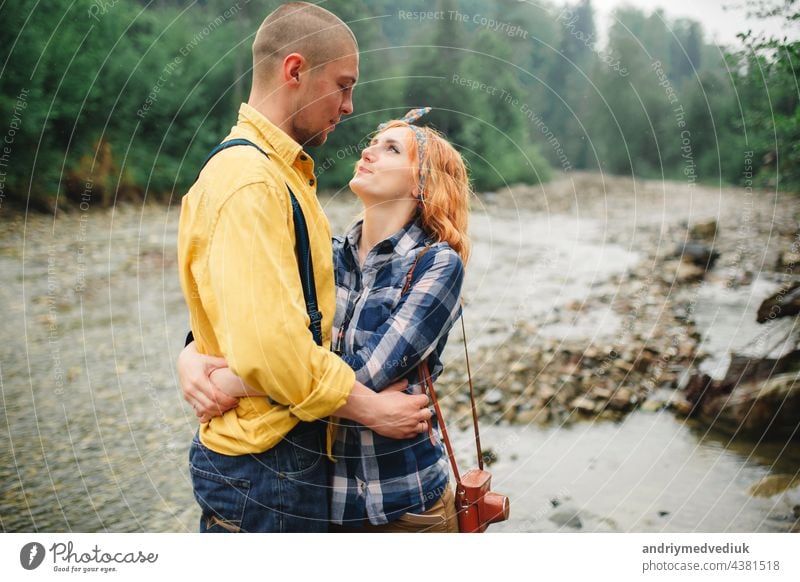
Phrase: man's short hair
x=304 y=28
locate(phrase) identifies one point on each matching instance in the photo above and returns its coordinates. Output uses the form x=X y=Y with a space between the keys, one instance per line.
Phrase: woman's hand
x=194 y=374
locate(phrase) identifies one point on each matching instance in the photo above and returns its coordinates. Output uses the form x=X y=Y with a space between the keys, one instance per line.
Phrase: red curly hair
x=445 y=210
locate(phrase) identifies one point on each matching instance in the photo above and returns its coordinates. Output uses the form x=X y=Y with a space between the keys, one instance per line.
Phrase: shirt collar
x=278 y=140
x=409 y=237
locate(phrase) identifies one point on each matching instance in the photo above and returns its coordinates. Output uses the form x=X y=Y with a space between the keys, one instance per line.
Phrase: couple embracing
x=303 y=368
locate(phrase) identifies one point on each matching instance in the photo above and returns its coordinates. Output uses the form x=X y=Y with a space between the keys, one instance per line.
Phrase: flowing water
x=95 y=434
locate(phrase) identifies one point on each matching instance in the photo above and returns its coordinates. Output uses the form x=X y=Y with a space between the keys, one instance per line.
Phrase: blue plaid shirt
x=383 y=337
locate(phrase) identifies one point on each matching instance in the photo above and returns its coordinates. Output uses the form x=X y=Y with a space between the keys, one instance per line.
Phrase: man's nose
x=347 y=104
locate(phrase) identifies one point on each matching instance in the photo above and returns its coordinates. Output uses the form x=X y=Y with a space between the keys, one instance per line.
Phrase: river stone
x=653 y=405
x=682 y=272
x=621 y=399
x=697 y=253
x=520 y=366
x=704 y=230
x=537 y=415
x=787 y=258
x=583 y=404
x=601 y=392
x=517 y=387
x=680 y=404
x=526 y=416
x=773 y=484
x=566 y=517
x=623 y=365
x=493 y=396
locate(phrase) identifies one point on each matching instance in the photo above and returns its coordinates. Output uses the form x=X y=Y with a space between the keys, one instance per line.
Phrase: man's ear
x=293 y=64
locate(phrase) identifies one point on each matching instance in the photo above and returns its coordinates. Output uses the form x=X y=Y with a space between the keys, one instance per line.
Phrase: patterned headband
x=422 y=141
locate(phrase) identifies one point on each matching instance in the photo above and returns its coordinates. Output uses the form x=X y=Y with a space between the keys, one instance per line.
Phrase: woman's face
x=386 y=171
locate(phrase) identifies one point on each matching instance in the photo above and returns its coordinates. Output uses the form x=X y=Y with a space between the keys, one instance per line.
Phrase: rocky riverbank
x=645 y=348
x=575 y=313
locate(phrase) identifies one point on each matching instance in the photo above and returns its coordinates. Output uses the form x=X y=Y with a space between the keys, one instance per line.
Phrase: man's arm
x=391 y=413
x=253 y=298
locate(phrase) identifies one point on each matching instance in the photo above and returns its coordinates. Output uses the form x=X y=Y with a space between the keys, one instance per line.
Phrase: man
x=260 y=466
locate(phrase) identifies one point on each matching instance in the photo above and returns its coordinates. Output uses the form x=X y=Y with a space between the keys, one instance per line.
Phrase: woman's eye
x=394 y=149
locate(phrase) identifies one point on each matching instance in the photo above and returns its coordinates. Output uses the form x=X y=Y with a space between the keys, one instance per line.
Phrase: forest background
x=120 y=100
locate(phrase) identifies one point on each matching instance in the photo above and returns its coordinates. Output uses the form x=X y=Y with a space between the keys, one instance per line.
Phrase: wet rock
x=602 y=392
x=783 y=303
x=680 y=405
x=493 y=396
x=510 y=414
x=489 y=456
x=706 y=230
x=772 y=485
x=787 y=259
x=621 y=399
x=767 y=409
x=623 y=365
x=526 y=417
x=583 y=404
x=686 y=349
x=591 y=352
x=643 y=361
x=698 y=254
x=611 y=415
x=652 y=405
x=519 y=367
x=566 y=517
x=688 y=273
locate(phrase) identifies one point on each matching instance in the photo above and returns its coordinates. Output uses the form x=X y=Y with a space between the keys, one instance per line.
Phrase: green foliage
x=103 y=101
x=768 y=80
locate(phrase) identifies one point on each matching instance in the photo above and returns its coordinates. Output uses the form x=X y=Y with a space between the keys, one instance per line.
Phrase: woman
x=415 y=191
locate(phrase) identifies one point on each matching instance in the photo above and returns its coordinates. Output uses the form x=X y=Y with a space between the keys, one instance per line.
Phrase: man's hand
x=194 y=371
x=389 y=413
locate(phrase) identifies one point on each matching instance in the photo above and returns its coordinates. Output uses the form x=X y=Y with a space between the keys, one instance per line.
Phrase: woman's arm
x=423 y=316
x=232 y=385
x=208 y=398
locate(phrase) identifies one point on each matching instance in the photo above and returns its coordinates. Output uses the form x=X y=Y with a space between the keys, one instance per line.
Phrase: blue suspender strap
x=303 y=247
x=229 y=144
x=306 y=269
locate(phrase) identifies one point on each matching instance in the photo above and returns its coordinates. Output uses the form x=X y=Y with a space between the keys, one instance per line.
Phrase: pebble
x=566 y=518
x=583 y=404
x=773 y=485
x=652 y=405
x=494 y=396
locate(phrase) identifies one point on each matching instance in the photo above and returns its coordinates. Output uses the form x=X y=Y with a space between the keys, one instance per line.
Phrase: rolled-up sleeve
x=255 y=304
x=423 y=316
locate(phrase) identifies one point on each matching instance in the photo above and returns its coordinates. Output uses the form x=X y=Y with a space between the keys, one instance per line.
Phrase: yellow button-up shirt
x=239 y=274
